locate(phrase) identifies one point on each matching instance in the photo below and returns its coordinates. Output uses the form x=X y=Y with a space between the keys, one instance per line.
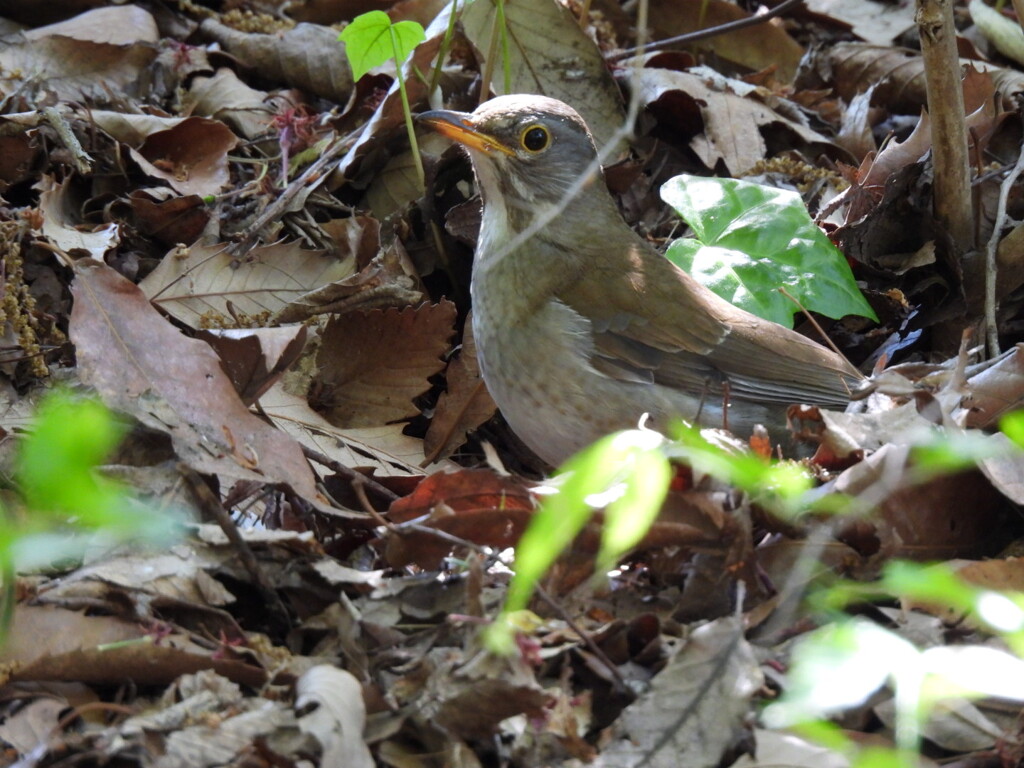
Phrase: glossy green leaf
x=371 y=39
x=753 y=240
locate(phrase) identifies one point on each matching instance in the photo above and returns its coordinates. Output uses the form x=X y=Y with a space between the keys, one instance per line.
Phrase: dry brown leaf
x=307 y=56
x=383 y=450
x=168 y=217
x=551 y=55
x=192 y=157
x=950 y=515
x=141 y=365
x=898 y=75
x=759 y=47
x=465 y=404
x=255 y=358
x=91 y=68
x=225 y=97
x=51 y=643
x=373 y=364
x=17 y=154
x=387 y=281
x=470 y=698
x=205 y=286
x=731 y=116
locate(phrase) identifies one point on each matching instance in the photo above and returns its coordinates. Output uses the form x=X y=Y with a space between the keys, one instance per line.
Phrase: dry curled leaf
x=373 y=364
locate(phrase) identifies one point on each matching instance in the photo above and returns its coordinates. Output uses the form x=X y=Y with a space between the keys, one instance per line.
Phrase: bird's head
x=527 y=149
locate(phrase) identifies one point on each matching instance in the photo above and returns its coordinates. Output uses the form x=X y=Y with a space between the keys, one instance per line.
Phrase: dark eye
x=535 y=138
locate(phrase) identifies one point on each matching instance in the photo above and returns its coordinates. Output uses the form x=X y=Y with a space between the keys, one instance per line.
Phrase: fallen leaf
x=141 y=365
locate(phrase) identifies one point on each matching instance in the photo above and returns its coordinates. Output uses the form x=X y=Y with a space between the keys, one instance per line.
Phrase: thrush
x=581 y=326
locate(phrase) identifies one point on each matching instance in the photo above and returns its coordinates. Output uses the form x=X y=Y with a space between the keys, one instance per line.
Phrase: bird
x=581 y=326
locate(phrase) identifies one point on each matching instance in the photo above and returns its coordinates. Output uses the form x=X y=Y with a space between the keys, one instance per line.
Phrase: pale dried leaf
x=76 y=70
x=117 y=25
x=385 y=450
x=225 y=97
x=338 y=720
x=875 y=22
x=956 y=725
x=197 y=288
x=696 y=708
x=61 y=206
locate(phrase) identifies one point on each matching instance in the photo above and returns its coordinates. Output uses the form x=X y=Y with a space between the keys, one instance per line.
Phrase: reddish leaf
x=475 y=504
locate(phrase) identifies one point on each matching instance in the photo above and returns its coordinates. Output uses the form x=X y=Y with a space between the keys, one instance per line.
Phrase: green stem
x=443 y=53
x=407 y=111
x=506 y=60
x=8 y=595
x=489 y=57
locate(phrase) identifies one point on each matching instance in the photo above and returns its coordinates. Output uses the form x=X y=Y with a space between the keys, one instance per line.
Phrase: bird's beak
x=459 y=127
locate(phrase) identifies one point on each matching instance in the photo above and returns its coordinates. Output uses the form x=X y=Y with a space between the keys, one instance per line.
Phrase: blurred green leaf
x=371 y=39
x=56 y=461
x=63 y=495
x=936 y=584
x=1012 y=425
x=627 y=474
x=777 y=485
x=753 y=240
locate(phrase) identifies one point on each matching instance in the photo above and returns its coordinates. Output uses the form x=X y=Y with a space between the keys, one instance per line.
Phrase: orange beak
x=458 y=126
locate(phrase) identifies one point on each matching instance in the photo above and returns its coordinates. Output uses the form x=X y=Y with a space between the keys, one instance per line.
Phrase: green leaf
x=371 y=39
x=630 y=516
x=753 y=240
x=56 y=461
x=625 y=472
x=56 y=472
x=1012 y=425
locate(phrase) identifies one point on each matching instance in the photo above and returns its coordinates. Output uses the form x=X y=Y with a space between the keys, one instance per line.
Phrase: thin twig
x=588 y=641
x=281 y=205
x=821 y=332
x=385 y=494
x=212 y=506
x=991 y=251
x=703 y=34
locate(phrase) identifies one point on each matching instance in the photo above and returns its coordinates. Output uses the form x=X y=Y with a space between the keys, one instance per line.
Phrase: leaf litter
x=222 y=223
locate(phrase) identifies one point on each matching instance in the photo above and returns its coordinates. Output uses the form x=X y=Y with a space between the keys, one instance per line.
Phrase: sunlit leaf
x=752 y=240
x=371 y=39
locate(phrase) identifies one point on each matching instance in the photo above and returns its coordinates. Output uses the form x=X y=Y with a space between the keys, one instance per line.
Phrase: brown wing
x=652 y=322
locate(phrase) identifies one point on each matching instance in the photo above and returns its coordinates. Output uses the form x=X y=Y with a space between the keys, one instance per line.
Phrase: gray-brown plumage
x=581 y=326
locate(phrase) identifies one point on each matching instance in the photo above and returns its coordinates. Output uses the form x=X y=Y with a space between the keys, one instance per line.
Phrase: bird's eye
x=535 y=138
